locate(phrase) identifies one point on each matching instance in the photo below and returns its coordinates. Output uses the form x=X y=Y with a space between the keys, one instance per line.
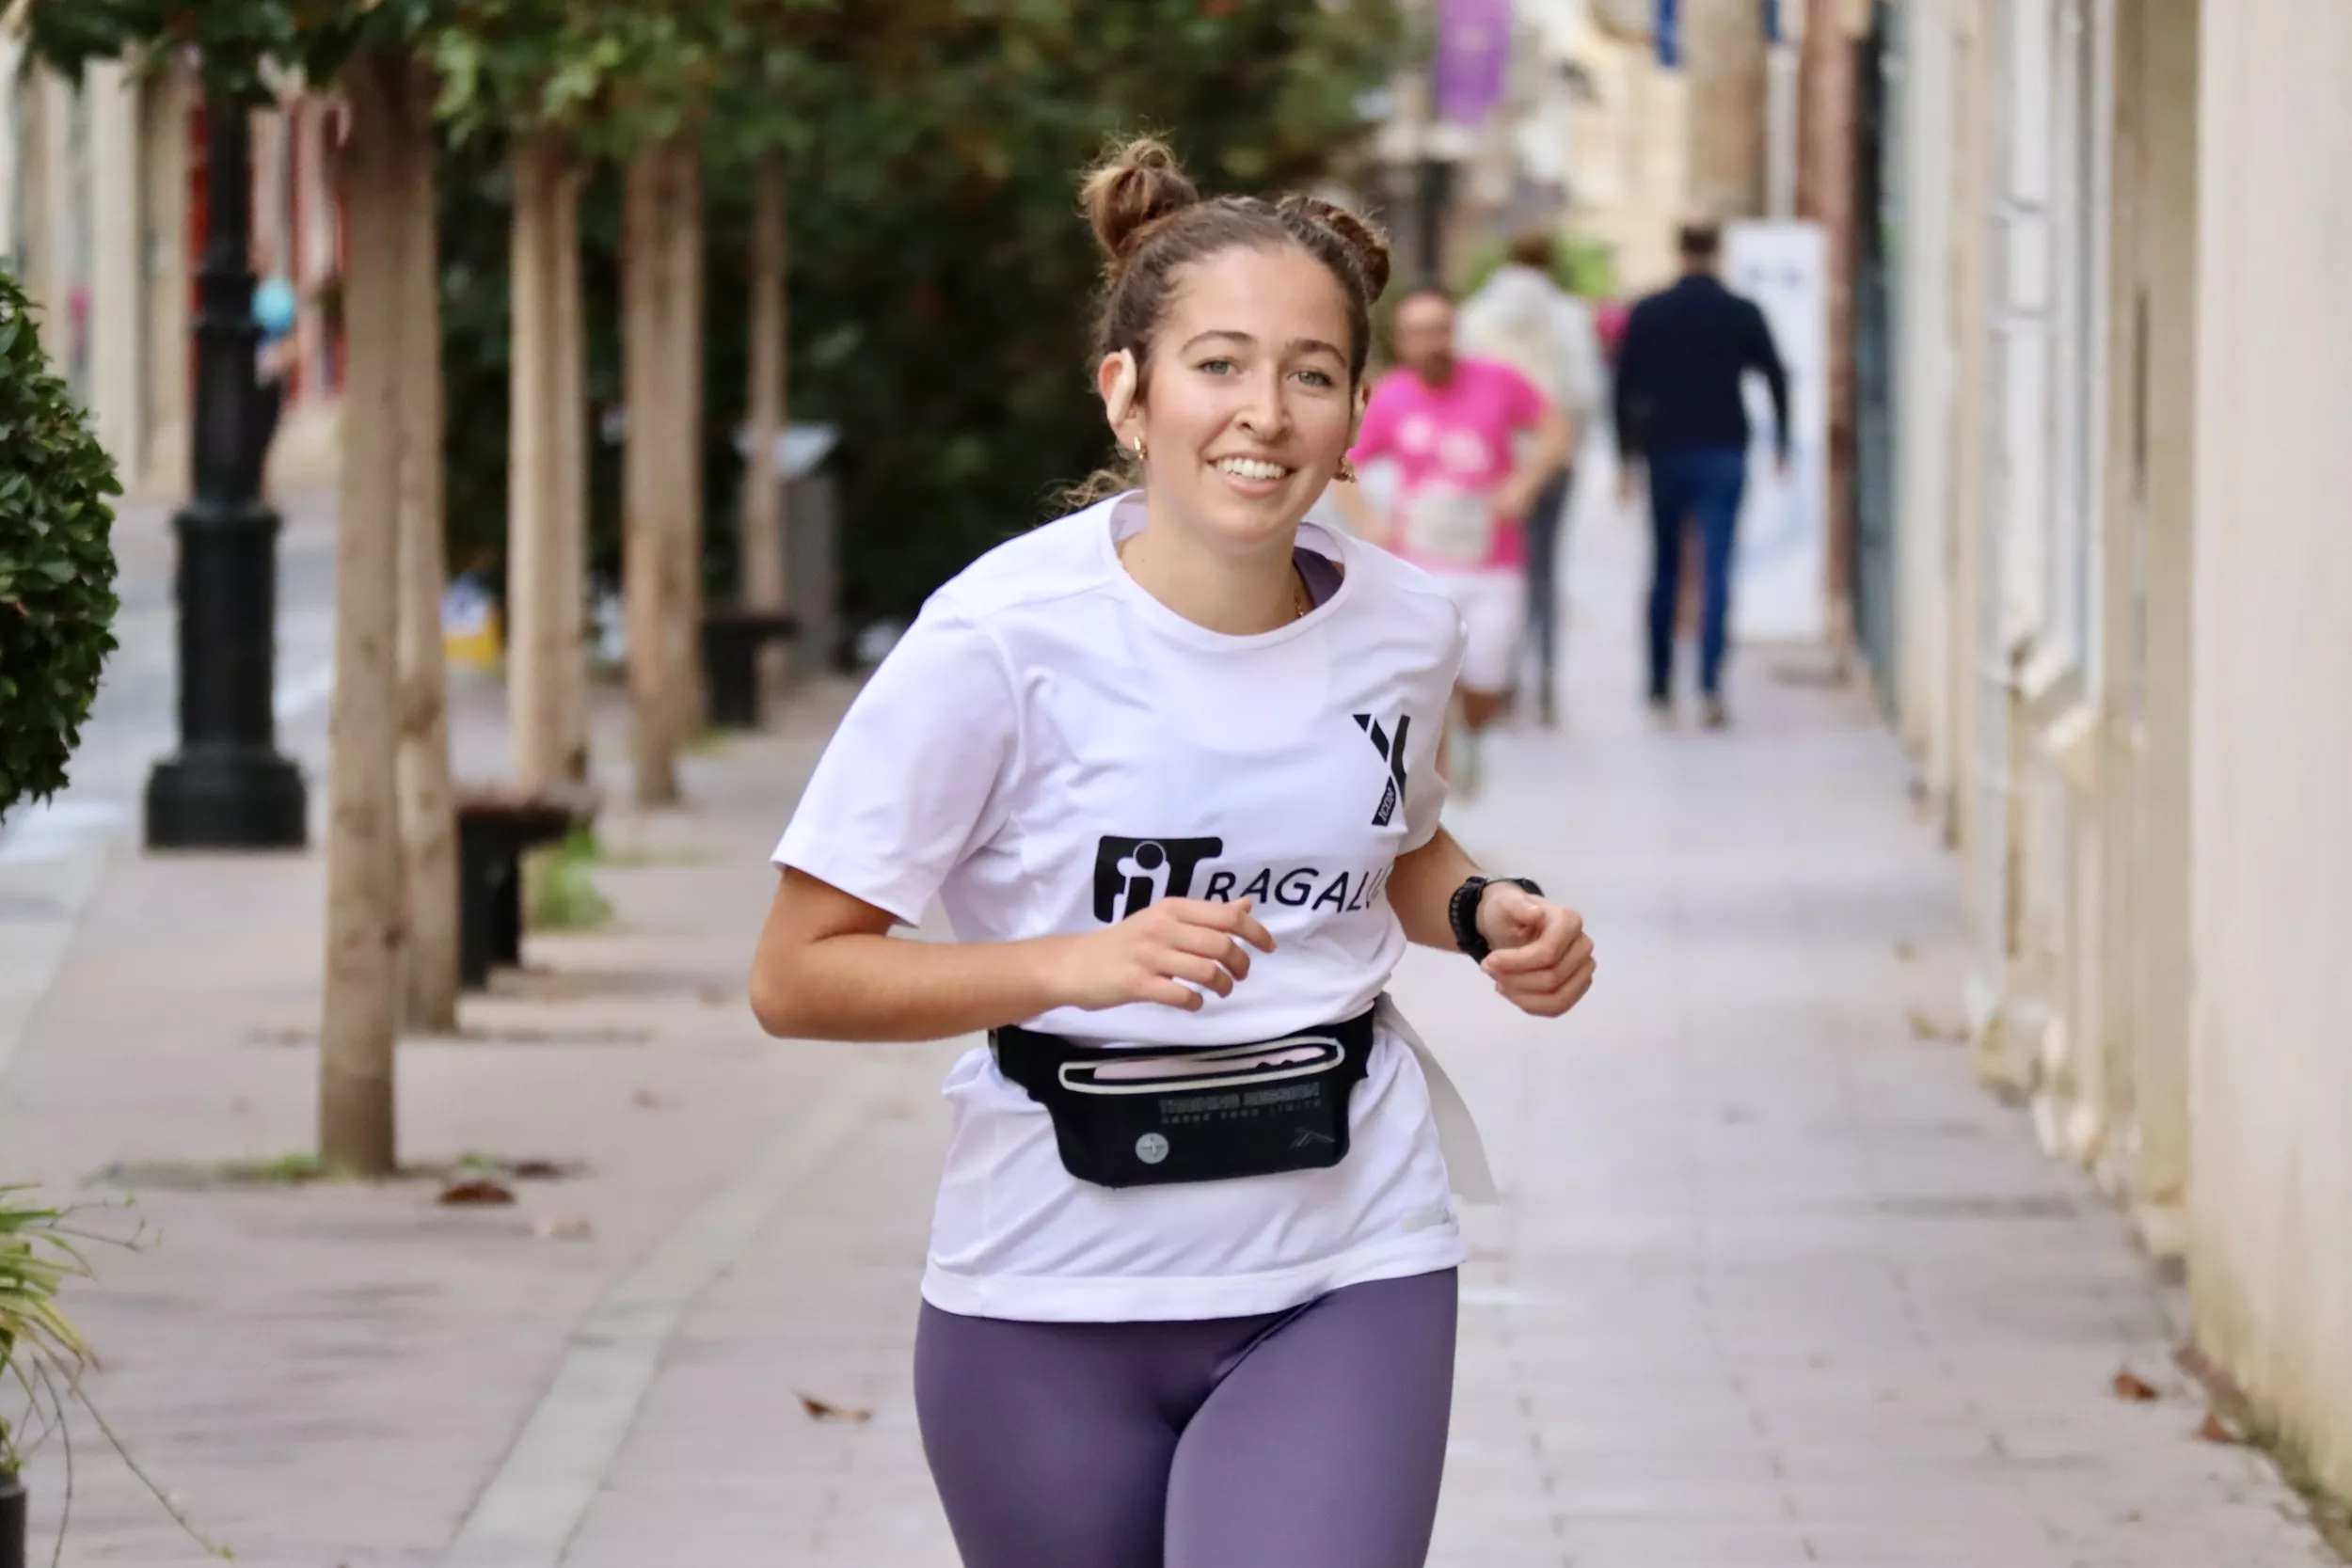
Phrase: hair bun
x=1131 y=191
x=1361 y=235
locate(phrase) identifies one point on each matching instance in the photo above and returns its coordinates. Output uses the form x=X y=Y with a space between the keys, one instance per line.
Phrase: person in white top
x=1167 y=763
x=1522 y=316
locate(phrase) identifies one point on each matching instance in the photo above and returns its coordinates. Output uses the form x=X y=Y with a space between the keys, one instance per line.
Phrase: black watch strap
x=1462 y=912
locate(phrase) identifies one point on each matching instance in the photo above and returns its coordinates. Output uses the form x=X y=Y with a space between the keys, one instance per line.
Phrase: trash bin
x=732 y=638
x=495 y=828
x=809 y=625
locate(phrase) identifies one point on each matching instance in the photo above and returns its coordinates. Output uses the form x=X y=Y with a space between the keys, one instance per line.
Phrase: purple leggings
x=1311 y=1438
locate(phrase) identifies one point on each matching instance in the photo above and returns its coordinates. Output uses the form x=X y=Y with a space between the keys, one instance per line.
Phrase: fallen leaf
x=2130 y=1385
x=538 y=1170
x=820 y=1411
x=481 y=1191
x=563 y=1227
x=644 y=1100
x=1925 y=1028
x=2214 y=1429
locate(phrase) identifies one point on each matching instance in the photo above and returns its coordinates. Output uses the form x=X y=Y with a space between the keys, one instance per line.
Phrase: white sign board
x=1780 y=592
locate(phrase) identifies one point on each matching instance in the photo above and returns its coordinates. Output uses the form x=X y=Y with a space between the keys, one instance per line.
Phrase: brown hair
x=1533 y=250
x=1152 y=223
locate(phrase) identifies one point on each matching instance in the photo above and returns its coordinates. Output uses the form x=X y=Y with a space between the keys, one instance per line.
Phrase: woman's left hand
x=1541 y=959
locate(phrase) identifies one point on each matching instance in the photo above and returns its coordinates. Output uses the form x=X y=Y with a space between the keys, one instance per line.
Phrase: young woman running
x=1167 y=763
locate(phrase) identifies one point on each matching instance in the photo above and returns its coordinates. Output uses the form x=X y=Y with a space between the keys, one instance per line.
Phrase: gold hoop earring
x=1345 y=472
x=1140 y=453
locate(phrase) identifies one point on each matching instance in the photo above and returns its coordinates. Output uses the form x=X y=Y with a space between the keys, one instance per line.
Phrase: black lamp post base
x=241 y=799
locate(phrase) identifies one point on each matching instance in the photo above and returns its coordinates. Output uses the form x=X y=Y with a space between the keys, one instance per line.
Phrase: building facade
x=102 y=216
x=2116 y=656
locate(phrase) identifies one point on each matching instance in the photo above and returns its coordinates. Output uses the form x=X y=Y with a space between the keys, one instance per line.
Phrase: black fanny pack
x=1142 y=1116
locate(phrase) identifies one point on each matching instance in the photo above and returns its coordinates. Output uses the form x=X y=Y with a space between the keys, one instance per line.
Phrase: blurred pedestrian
x=1451 y=424
x=1680 y=408
x=276 y=311
x=1191 y=1298
x=1522 y=317
x=1609 y=320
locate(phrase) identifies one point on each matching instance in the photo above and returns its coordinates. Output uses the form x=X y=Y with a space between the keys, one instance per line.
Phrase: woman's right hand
x=1170 y=954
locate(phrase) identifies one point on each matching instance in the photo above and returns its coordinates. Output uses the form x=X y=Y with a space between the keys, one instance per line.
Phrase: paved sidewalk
x=1773 y=1282
x=328 y=1375
x=52 y=854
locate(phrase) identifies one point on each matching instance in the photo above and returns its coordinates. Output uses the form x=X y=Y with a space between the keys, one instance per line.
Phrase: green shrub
x=43 y=1355
x=559 y=894
x=57 y=561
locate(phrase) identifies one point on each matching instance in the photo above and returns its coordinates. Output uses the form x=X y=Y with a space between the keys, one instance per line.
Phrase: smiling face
x=1247 y=405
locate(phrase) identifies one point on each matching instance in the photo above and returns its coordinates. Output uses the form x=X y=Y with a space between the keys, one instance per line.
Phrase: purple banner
x=1473 y=59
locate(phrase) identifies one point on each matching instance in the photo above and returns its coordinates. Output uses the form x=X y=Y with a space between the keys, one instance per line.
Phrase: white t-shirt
x=1048 y=749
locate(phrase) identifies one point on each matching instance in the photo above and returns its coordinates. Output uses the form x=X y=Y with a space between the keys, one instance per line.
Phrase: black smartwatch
x=1462 y=912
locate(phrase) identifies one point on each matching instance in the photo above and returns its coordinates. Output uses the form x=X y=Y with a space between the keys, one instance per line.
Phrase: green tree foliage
x=240 y=44
x=1587 y=268
x=941 y=276
x=56 y=563
x=611 y=75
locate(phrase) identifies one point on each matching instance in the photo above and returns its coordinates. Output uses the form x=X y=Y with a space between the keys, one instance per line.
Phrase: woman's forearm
x=859 y=985
x=1421 y=889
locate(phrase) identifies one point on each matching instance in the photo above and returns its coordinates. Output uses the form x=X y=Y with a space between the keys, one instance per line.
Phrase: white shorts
x=1494 y=614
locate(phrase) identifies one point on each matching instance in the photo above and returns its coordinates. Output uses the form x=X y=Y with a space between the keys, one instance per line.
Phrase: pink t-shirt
x=1452 y=446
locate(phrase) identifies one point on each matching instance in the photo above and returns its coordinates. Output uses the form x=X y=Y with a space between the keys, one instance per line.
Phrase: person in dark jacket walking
x=1678 y=409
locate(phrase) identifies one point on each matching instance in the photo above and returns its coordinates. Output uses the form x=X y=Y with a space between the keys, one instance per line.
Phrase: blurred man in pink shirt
x=1473 y=442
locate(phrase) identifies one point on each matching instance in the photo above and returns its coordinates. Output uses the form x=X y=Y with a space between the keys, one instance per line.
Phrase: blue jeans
x=1699 y=484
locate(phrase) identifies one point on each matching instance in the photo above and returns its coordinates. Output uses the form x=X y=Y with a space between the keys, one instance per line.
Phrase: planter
x=732 y=638
x=13 y=1513
x=494 y=829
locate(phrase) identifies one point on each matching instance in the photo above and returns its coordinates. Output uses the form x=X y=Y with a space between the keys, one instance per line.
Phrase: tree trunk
x=534 y=553
x=763 y=539
x=428 y=818
x=570 y=462
x=363 y=914
x=661 y=291
x=686 y=434
x=645 y=564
